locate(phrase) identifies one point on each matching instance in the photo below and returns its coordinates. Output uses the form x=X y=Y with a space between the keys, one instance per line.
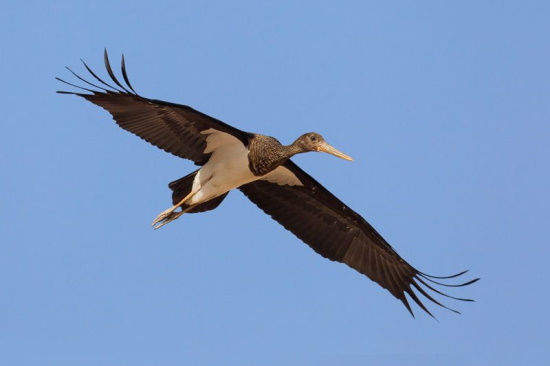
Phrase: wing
x=338 y=233
x=172 y=127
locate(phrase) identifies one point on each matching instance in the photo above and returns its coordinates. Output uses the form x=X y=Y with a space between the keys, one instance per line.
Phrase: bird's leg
x=170 y=215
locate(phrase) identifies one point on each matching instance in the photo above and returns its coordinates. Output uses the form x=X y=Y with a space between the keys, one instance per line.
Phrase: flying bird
x=260 y=167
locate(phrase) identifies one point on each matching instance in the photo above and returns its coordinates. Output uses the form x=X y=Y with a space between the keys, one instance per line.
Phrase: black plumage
x=297 y=201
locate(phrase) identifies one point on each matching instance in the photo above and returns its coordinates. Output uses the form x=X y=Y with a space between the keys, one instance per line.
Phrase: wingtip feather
x=112 y=74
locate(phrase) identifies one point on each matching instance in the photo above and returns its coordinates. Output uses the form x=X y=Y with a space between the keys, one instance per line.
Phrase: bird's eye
x=313 y=138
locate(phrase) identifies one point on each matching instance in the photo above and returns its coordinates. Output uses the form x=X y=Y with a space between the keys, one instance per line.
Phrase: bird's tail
x=182 y=187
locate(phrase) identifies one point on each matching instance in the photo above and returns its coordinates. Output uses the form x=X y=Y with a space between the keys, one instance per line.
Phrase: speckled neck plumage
x=267 y=153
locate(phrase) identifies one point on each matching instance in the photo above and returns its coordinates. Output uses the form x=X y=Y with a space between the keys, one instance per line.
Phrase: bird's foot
x=165 y=217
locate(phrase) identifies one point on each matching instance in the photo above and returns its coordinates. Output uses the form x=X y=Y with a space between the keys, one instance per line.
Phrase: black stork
x=260 y=167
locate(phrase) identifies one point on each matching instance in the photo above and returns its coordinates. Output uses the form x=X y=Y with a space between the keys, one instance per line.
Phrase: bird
x=260 y=167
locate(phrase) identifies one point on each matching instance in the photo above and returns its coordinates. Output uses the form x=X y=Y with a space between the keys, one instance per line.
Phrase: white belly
x=226 y=169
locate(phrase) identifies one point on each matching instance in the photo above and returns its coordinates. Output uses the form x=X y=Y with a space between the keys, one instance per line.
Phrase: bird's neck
x=292 y=149
x=266 y=154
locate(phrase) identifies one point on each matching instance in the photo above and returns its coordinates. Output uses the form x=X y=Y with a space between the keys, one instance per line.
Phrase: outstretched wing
x=338 y=233
x=172 y=127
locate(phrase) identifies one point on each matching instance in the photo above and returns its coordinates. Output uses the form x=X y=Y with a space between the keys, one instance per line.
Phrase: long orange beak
x=324 y=147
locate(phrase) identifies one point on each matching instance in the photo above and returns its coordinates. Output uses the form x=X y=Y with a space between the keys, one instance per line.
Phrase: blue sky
x=444 y=106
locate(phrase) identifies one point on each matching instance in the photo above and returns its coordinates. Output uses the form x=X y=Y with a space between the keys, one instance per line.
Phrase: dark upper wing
x=171 y=127
x=338 y=233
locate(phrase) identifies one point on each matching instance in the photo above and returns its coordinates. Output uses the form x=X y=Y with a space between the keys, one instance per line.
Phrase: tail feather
x=181 y=188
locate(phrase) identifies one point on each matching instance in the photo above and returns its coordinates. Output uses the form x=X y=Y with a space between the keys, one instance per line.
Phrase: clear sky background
x=445 y=107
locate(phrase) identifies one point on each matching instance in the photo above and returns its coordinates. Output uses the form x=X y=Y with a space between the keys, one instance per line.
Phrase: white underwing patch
x=218 y=140
x=282 y=176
